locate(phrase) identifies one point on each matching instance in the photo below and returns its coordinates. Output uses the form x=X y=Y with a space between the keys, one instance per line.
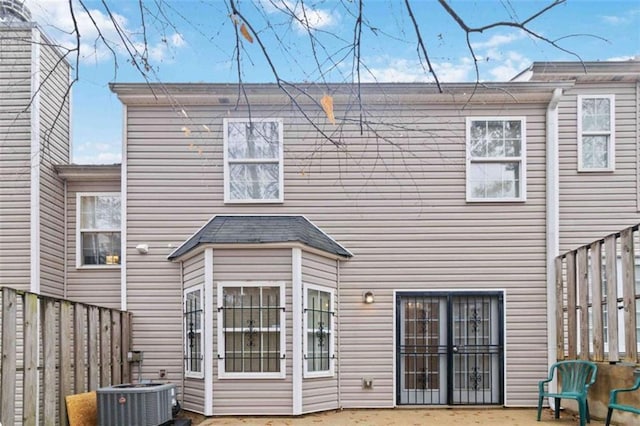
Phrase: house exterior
x=34 y=136
x=277 y=263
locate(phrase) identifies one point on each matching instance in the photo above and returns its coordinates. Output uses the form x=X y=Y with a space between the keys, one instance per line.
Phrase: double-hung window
x=193 y=310
x=496 y=166
x=98 y=229
x=251 y=330
x=319 y=331
x=253 y=160
x=596 y=147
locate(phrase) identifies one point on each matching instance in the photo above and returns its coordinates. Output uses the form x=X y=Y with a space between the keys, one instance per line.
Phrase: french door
x=449 y=348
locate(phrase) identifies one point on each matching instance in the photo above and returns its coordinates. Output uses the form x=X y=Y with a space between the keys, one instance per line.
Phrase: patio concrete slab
x=412 y=417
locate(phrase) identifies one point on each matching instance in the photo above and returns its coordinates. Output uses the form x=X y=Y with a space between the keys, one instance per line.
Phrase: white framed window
x=253 y=166
x=193 y=332
x=596 y=133
x=251 y=330
x=319 y=337
x=98 y=223
x=496 y=159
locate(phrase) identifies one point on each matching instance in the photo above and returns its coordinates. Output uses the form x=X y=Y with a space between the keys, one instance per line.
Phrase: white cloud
x=97 y=153
x=411 y=71
x=505 y=66
x=623 y=58
x=498 y=40
x=615 y=20
x=54 y=16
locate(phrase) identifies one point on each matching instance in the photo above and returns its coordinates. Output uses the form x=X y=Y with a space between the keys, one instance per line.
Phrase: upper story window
x=319 y=332
x=98 y=229
x=193 y=347
x=251 y=332
x=253 y=161
x=596 y=133
x=496 y=167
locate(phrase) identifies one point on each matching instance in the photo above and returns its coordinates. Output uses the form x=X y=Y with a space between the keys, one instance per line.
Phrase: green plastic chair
x=574 y=379
x=613 y=401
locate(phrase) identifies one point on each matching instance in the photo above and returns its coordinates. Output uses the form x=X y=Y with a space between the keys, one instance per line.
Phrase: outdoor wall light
x=367 y=297
x=142 y=248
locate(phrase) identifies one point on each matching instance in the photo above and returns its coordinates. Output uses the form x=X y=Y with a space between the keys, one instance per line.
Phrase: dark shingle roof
x=261 y=229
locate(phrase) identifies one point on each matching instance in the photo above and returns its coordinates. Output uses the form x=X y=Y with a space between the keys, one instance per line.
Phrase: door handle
x=454 y=349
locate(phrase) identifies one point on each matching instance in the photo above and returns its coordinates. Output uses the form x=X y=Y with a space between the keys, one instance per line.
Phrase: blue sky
x=198 y=46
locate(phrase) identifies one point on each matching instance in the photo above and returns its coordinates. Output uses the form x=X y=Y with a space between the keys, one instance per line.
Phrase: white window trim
x=522 y=159
x=222 y=374
x=612 y=132
x=331 y=371
x=203 y=326
x=79 y=230
x=280 y=161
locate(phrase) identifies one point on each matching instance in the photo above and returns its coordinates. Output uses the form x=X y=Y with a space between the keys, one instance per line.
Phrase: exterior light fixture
x=367 y=297
x=142 y=248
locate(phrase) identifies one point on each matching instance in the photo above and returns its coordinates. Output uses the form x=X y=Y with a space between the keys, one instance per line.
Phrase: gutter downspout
x=339 y=323
x=553 y=224
x=183 y=340
x=65 y=243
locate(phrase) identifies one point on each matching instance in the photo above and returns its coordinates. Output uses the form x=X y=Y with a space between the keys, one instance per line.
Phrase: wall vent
x=147 y=404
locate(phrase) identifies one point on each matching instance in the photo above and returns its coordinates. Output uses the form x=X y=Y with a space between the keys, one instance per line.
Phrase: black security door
x=450 y=348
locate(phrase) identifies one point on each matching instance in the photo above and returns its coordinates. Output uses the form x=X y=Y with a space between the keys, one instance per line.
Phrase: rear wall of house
x=593 y=205
x=54 y=149
x=400 y=208
x=15 y=156
x=97 y=286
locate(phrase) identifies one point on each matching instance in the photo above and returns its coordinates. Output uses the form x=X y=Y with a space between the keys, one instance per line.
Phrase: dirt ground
x=410 y=417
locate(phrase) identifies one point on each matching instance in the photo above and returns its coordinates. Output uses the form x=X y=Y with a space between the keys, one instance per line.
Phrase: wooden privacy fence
x=594 y=283
x=54 y=347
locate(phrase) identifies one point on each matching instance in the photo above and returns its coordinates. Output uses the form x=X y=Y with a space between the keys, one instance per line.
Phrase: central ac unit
x=147 y=404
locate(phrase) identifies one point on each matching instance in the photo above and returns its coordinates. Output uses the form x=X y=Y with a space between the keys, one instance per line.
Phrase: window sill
x=93 y=267
x=607 y=170
x=279 y=201
x=198 y=376
x=496 y=200
x=244 y=376
x=319 y=375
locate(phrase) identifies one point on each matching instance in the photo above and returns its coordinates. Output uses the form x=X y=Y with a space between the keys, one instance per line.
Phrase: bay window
x=251 y=332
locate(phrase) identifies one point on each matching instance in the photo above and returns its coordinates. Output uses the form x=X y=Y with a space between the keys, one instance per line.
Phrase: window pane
x=100 y=248
x=254 y=181
x=596 y=114
x=100 y=212
x=318 y=334
x=252 y=317
x=495 y=180
x=253 y=140
x=595 y=152
x=495 y=139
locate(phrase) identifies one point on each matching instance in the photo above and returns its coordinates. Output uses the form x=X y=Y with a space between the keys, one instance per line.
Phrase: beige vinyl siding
x=321 y=393
x=593 y=205
x=400 y=209
x=15 y=159
x=253 y=396
x=54 y=149
x=193 y=392
x=98 y=286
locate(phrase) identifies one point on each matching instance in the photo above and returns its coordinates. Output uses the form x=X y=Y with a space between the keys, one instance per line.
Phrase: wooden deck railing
x=54 y=347
x=593 y=283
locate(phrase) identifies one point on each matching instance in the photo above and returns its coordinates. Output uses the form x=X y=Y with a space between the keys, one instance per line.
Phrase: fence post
x=559 y=310
x=612 y=297
x=583 y=295
x=49 y=352
x=7 y=392
x=596 y=301
x=31 y=349
x=629 y=294
x=79 y=349
x=572 y=322
x=105 y=347
x=116 y=348
x=93 y=342
x=65 y=359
